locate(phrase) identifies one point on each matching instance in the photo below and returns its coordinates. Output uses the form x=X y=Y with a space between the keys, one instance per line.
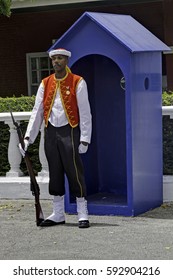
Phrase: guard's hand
x=23 y=151
x=83 y=148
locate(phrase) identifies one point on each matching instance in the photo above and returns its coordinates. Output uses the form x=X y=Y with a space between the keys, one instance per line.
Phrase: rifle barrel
x=33 y=182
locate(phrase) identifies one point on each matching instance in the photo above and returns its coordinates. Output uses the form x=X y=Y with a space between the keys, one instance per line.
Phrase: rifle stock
x=33 y=183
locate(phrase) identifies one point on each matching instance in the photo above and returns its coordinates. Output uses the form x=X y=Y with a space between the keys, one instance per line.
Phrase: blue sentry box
x=121 y=62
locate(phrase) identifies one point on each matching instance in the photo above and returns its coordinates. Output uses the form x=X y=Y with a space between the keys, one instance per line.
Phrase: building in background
x=35 y=25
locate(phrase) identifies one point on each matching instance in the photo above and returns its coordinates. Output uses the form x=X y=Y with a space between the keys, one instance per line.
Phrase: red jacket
x=67 y=87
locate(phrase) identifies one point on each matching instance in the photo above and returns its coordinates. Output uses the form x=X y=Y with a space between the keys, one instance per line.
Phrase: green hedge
x=167 y=100
x=17 y=104
x=23 y=103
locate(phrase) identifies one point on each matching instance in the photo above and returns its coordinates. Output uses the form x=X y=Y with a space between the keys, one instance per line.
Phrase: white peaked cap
x=59 y=51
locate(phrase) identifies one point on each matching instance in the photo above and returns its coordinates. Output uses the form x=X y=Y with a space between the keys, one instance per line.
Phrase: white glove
x=82 y=148
x=23 y=151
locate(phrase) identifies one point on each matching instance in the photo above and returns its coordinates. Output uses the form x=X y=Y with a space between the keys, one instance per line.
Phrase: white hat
x=59 y=51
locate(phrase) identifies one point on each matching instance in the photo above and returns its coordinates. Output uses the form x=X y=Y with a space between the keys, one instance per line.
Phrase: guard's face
x=59 y=62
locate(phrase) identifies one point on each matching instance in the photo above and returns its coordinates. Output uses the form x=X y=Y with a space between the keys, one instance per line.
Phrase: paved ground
x=148 y=236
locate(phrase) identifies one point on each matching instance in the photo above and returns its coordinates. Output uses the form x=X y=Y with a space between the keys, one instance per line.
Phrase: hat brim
x=60 y=52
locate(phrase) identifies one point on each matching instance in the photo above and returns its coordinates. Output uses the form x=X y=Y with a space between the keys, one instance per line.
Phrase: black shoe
x=50 y=223
x=84 y=224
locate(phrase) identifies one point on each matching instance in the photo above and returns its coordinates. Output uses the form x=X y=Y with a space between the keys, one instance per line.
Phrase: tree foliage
x=5 y=7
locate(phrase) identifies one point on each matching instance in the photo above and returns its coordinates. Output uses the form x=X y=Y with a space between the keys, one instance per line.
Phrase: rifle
x=33 y=183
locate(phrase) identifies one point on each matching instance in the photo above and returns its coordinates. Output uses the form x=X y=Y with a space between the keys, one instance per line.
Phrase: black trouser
x=61 y=149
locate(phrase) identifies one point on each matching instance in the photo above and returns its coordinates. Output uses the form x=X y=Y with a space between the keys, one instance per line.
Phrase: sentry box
x=121 y=62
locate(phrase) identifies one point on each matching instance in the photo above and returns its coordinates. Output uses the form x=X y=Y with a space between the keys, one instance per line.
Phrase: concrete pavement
x=147 y=236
